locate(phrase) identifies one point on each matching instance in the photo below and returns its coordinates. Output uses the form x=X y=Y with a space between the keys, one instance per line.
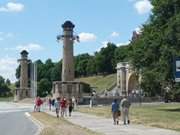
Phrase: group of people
x=121 y=109
x=62 y=106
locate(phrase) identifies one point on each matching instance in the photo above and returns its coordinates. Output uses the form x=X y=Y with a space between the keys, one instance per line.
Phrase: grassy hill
x=100 y=82
x=12 y=86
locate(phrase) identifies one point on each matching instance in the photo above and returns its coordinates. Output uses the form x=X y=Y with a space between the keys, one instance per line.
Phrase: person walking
x=70 y=106
x=125 y=105
x=38 y=104
x=66 y=106
x=35 y=104
x=57 y=106
x=63 y=105
x=74 y=103
x=49 y=103
x=52 y=103
x=115 y=110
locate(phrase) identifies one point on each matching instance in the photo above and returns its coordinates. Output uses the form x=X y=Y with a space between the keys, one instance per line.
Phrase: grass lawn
x=6 y=99
x=163 y=116
x=54 y=126
x=100 y=82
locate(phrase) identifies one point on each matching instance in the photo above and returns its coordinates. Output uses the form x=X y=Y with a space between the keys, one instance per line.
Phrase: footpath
x=106 y=127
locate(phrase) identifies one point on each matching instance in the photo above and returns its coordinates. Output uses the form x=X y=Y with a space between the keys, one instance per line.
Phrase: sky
x=34 y=24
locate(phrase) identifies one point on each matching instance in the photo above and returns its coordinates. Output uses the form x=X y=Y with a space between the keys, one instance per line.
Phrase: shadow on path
x=170 y=110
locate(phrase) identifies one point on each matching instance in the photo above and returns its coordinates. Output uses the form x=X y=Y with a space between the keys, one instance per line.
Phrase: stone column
x=121 y=67
x=24 y=74
x=127 y=77
x=123 y=80
x=68 y=39
x=68 y=59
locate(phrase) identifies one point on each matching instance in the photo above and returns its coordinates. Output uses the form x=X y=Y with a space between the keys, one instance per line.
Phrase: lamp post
x=33 y=79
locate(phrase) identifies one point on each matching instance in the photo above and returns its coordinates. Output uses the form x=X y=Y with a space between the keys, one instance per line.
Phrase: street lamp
x=72 y=37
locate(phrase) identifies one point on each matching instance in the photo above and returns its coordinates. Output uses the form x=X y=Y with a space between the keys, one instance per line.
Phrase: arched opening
x=133 y=84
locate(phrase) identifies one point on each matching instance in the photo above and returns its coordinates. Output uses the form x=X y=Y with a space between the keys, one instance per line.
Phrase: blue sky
x=34 y=25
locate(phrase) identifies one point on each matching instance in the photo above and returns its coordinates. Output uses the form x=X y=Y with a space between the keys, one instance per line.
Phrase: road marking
x=27 y=114
x=39 y=125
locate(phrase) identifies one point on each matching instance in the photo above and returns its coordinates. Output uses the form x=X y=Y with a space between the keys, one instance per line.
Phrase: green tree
x=44 y=87
x=47 y=68
x=159 y=42
x=40 y=70
x=105 y=59
x=91 y=66
x=100 y=63
x=81 y=64
x=18 y=72
x=56 y=72
x=8 y=82
x=4 y=89
x=121 y=54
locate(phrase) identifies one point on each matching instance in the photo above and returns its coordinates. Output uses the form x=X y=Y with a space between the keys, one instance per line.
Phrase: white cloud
x=138 y=30
x=85 y=37
x=12 y=7
x=29 y=47
x=143 y=6
x=115 y=34
x=104 y=44
x=123 y=43
x=8 y=68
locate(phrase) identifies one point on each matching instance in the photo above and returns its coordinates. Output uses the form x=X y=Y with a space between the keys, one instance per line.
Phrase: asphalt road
x=13 y=120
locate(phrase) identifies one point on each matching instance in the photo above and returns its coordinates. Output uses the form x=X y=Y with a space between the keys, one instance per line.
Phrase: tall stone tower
x=68 y=59
x=67 y=87
x=24 y=89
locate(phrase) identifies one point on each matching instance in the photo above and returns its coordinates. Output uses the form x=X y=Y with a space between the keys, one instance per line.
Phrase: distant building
x=135 y=36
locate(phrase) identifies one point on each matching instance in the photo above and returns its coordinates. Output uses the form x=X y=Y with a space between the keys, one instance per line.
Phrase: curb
x=36 y=122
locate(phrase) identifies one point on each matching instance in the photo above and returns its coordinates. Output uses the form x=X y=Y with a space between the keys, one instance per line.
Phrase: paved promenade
x=105 y=126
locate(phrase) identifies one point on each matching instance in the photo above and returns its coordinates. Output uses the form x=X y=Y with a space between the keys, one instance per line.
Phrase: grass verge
x=54 y=126
x=164 y=116
x=6 y=99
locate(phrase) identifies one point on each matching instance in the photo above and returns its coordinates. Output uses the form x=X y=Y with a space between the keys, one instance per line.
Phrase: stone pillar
x=123 y=80
x=127 y=77
x=68 y=59
x=122 y=77
x=16 y=95
x=24 y=74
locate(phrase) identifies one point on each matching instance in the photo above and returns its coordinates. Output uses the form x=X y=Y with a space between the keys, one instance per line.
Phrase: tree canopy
x=4 y=87
x=159 y=42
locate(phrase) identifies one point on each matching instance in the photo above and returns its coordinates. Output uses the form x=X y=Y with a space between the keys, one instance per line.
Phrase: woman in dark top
x=70 y=104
